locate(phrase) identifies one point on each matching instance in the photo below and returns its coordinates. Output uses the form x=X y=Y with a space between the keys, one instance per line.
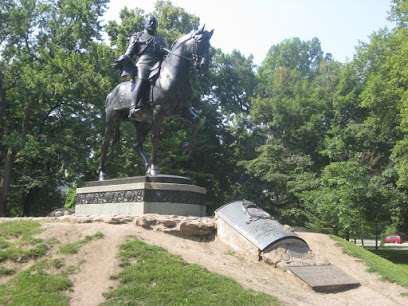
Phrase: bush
x=70 y=197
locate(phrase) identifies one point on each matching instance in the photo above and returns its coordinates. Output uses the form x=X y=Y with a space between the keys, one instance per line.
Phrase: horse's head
x=195 y=47
x=201 y=49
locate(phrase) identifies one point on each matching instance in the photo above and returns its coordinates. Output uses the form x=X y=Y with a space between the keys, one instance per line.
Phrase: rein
x=178 y=55
x=193 y=58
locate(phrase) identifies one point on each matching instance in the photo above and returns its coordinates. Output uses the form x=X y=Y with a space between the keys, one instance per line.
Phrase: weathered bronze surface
x=150 y=50
x=169 y=96
x=254 y=224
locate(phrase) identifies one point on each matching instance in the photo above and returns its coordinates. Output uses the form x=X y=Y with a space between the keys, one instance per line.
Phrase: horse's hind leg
x=190 y=116
x=111 y=137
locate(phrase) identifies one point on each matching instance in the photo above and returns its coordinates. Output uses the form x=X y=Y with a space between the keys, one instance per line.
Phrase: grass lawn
x=17 y=241
x=396 y=255
x=35 y=285
x=46 y=281
x=392 y=268
x=152 y=276
x=73 y=248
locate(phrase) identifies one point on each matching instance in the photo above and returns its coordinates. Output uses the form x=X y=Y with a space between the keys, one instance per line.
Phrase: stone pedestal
x=162 y=194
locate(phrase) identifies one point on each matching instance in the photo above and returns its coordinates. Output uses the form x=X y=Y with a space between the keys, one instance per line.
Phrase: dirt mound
x=97 y=261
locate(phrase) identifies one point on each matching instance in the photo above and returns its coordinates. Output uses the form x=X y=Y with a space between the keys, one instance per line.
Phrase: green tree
x=52 y=82
x=234 y=82
x=349 y=201
x=297 y=88
x=293 y=54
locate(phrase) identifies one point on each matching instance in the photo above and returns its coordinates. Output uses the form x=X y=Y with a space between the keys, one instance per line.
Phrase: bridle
x=194 y=56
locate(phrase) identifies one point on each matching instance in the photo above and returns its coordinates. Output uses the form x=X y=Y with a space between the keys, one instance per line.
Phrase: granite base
x=163 y=194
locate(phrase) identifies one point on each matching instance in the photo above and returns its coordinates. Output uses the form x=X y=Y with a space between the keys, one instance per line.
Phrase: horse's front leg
x=104 y=151
x=190 y=116
x=142 y=128
x=153 y=169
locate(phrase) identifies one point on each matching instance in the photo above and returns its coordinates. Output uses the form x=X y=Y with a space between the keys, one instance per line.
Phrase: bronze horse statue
x=169 y=96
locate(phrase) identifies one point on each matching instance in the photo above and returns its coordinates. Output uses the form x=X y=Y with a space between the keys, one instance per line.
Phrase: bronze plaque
x=255 y=224
x=324 y=278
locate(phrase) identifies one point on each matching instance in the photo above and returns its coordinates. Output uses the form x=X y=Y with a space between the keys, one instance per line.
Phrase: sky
x=253 y=26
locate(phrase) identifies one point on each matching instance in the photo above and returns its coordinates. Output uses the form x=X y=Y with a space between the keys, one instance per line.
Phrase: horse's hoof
x=102 y=176
x=153 y=170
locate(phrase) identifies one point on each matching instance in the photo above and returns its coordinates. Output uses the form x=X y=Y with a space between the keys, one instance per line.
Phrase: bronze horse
x=170 y=96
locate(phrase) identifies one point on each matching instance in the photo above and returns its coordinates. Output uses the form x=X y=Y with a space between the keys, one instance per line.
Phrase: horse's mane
x=186 y=37
x=181 y=40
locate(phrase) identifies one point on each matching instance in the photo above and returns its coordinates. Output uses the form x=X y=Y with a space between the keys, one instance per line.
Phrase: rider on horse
x=150 y=49
x=171 y=96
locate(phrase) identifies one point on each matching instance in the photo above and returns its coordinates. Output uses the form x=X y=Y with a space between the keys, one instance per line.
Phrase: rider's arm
x=133 y=47
x=163 y=46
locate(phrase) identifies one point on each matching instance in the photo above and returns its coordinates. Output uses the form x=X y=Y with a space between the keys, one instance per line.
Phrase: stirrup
x=136 y=114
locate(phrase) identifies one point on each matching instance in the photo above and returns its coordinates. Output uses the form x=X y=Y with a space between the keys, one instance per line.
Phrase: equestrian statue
x=159 y=89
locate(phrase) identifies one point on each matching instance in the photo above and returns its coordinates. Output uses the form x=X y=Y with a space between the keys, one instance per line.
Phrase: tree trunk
x=360 y=223
x=3 y=101
x=9 y=162
x=8 y=168
x=376 y=236
x=26 y=205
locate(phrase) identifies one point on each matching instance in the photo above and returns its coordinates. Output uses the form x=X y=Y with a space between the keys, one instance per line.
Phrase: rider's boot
x=136 y=110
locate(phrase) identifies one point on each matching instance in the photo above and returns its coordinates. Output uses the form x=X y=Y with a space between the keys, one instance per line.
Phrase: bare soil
x=97 y=261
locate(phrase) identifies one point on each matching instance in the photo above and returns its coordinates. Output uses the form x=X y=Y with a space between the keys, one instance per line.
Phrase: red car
x=393 y=239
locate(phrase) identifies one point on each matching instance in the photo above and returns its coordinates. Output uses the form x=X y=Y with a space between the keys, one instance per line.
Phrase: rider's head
x=151 y=24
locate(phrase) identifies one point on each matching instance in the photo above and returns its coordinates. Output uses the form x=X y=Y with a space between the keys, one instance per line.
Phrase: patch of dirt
x=97 y=261
x=16 y=266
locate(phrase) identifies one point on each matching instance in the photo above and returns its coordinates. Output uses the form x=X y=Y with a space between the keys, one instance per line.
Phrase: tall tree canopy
x=314 y=141
x=51 y=83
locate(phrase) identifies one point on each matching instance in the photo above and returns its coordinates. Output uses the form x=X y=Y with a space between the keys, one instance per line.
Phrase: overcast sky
x=253 y=26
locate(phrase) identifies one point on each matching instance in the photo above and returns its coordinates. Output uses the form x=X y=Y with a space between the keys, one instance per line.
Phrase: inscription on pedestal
x=110 y=197
x=254 y=224
x=140 y=196
x=164 y=194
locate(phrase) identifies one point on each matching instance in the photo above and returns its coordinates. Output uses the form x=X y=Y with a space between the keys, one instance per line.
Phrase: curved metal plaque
x=255 y=224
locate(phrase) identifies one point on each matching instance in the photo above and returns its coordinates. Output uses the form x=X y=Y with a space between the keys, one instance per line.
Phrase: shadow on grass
x=395 y=255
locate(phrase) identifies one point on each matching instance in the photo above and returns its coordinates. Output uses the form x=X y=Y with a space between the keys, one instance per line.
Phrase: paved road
x=402 y=245
x=370 y=242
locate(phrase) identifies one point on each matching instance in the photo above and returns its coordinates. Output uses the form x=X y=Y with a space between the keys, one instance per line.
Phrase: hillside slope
x=97 y=261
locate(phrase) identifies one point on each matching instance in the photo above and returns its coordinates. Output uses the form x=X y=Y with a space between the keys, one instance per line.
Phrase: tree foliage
x=52 y=86
x=313 y=141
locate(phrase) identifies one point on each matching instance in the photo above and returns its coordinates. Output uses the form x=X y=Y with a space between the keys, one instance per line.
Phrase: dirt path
x=97 y=261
